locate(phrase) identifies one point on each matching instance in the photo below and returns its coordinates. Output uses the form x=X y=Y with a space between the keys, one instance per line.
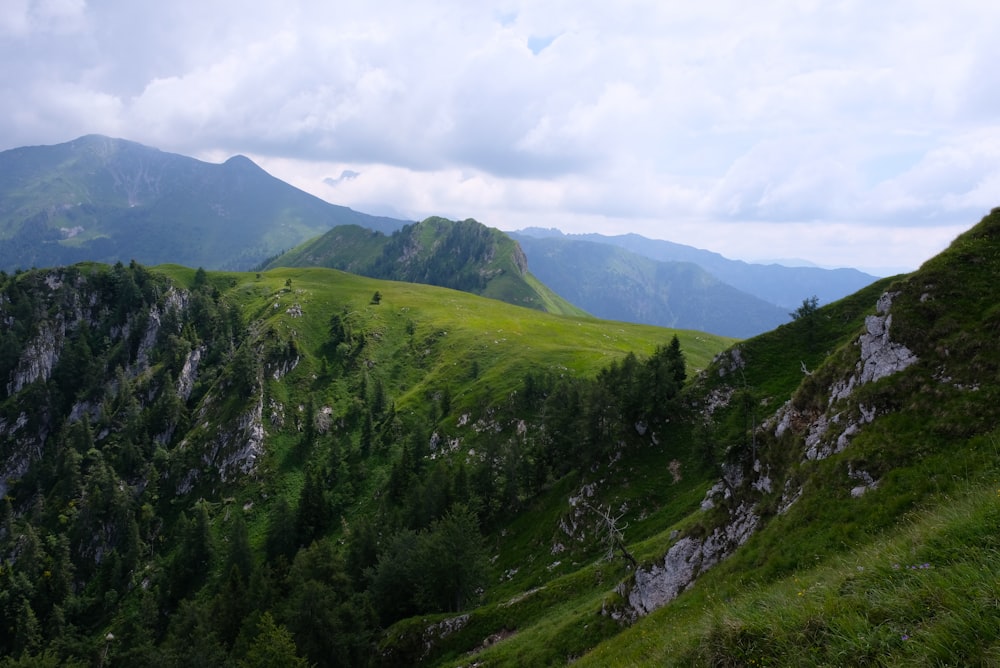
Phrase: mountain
x=783 y=286
x=463 y=255
x=102 y=199
x=613 y=283
x=110 y=200
x=279 y=468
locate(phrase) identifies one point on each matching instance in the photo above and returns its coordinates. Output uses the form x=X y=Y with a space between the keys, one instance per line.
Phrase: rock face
x=244 y=444
x=880 y=356
x=687 y=559
x=175 y=301
x=189 y=373
x=65 y=301
x=741 y=489
x=39 y=358
x=18 y=452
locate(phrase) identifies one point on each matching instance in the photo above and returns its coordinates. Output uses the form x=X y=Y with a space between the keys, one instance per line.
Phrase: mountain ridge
x=777 y=284
x=463 y=255
x=613 y=283
x=102 y=199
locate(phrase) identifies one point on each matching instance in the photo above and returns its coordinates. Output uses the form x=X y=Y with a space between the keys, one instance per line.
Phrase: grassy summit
x=464 y=255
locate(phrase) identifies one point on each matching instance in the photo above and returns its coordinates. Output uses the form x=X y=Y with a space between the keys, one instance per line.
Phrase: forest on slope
x=202 y=467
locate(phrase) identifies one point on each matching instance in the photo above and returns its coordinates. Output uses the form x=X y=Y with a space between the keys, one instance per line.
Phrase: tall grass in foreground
x=928 y=595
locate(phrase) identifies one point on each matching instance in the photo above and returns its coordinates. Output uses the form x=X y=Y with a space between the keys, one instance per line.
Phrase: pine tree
x=27 y=631
x=313 y=515
x=238 y=553
x=193 y=560
x=272 y=647
x=281 y=535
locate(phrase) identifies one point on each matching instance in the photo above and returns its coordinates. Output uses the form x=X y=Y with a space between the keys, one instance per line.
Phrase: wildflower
x=904 y=637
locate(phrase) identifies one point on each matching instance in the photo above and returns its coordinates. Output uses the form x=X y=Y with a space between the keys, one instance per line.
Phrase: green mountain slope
x=184 y=451
x=613 y=283
x=355 y=471
x=102 y=199
x=463 y=255
x=848 y=517
x=876 y=539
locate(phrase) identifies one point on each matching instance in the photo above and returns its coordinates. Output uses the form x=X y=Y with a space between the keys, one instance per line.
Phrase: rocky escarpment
x=880 y=356
x=39 y=356
x=64 y=303
x=743 y=487
x=657 y=585
x=126 y=350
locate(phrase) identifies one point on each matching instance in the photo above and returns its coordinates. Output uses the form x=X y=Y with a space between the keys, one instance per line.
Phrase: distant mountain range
x=107 y=200
x=780 y=285
x=614 y=283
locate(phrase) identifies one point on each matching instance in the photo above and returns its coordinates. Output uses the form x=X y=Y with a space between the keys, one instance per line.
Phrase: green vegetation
x=156 y=514
x=924 y=594
x=462 y=255
x=236 y=469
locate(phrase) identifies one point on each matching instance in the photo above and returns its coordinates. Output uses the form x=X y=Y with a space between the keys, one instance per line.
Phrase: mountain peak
x=241 y=160
x=90 y=189
x=462 y=255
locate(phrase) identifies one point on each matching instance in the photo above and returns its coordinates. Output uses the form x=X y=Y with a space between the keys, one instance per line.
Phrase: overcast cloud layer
x=846 y=133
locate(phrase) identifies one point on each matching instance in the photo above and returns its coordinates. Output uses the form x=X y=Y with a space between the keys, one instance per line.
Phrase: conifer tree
x=272 y=647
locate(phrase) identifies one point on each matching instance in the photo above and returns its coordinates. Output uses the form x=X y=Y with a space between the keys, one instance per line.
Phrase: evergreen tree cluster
x=83 y=526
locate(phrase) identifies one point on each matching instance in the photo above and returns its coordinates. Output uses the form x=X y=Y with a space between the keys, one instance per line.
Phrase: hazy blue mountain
x=777 y=284
x=103 y=199
x=616 y=284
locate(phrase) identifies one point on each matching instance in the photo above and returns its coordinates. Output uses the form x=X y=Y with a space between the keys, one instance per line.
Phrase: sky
x=843 y=133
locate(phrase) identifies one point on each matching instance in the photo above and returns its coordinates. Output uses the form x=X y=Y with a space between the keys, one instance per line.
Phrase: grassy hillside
x=889 y=555
x=561 y=603
x=457 y=330
x=463 y=255
x=185 y=451
x=844 y=511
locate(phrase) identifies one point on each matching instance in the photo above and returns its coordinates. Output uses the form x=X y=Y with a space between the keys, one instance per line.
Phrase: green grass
x=450 y=330
x=924 y=594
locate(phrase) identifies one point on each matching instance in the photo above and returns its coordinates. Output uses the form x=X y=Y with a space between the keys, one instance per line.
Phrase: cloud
x=790 y=114
x=346 y=175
